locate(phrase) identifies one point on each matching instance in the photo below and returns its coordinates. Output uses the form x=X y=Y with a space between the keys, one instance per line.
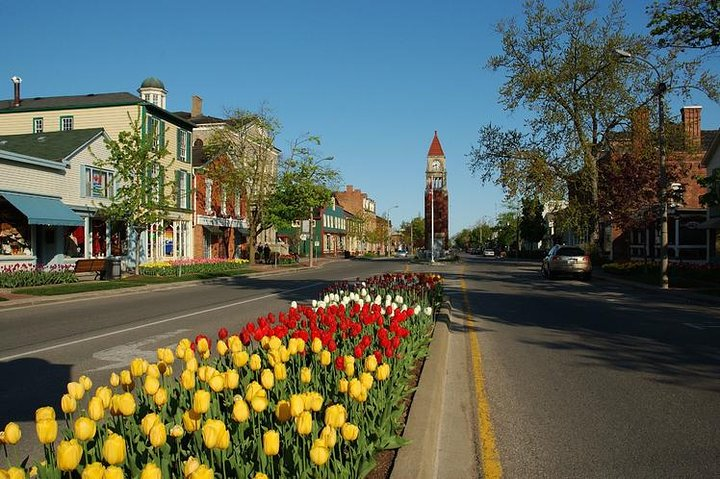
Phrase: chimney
x=16 y=81
x=196 y=107
x=691 y=124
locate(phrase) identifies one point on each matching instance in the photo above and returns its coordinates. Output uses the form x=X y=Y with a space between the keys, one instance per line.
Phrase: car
x=401 y=253
x=489 y=253
x=567 y=260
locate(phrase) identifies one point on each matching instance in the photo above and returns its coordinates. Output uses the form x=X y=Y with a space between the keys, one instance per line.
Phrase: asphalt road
x=43 y=347
x=587 y=380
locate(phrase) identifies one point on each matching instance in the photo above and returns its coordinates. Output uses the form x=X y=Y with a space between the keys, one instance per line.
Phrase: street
x=577 y=379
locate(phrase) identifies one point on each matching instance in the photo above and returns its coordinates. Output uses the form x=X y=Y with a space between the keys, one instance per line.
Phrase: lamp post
x=659 y=91
x=387 y=224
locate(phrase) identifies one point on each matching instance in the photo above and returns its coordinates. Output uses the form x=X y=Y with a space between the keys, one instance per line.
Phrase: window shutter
x=188 y=186
x=178 y=188
x=161 y=134
x=188 y=147
x=179 y=140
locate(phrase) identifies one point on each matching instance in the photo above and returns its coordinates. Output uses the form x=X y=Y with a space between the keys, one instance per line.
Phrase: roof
x=713 y=146
x=198 y=120
x=152 y=82
x=435 y=147
x=53 y=146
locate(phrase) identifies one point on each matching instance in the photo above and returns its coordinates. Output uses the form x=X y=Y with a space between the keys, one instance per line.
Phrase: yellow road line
x=492 y=469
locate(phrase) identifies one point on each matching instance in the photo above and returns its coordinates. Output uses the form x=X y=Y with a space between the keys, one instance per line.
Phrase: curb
x=418 y=460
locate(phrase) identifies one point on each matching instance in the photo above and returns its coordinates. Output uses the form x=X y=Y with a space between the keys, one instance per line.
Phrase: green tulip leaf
x=394 y=442
x=366 y=467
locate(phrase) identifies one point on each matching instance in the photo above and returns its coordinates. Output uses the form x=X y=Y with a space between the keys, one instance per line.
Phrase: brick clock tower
x=436 y=198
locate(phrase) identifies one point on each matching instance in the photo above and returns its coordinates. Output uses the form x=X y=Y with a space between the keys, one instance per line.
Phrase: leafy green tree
x=245 y=144
x=413 y=232
x=532 y=223
x=686 y=23
x=140 y=198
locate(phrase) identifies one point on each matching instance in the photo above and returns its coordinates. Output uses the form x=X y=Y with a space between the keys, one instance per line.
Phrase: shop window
x=97 y=183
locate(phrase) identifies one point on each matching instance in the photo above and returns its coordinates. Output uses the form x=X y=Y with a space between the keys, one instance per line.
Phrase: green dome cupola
x=153 y=90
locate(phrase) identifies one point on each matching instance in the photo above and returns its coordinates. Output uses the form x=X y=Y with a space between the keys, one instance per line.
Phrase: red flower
x=340 y=363
x=358 y=352
x=222 y=333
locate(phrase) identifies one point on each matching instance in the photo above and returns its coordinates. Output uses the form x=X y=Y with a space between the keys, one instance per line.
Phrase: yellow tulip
x=267 y=379
x=177 y=431
x=316 y=345
x=335 y=415
x=148 y=422
x=305 y=375
x=191 y=364
x=271 y=443
x=255 y=362
x=68 y=404
x=187 y=379
x=240 y=359
x=297 y=405
x=113 y=472
x=325 y=357
x=329 y=436
x=151 y=471
x=349 y=369
x=47 y=412
x=342 y=385
x=93 y=471
x=95 y=408
x=191 y=420
x=349 y=431
x=232 y=379
x=259 y=475
x=217 y=382
x=84 y=429
x=212 y=432
x=202 y=373
x=76 y=390
x=105 y=394
x=259 y=403
x=252 y=390
x=202 y=472
x=151 y=385
x=165 y=355
x=165 y=369
x=240 y=412
x=138 y=366
x=202 y=346
x=12 y=433
x=158 y=434
x=201 y=401
x=114 y=380
x=355 y=388
x=221 y=347
x=123 y=404
x=316 y=401
x=160 y=397
x=280 y=372
x=319 y=454
x=126 y=379
x=68 y=455
x=113 y=451
x=282 y=411
x=382 y=372
x=182 y=346
x=46 y=430
x=371 y=363
x=300 y=345
x=366 y=380
x=86 y=382
x=190 y=466
x=153 y=371
x=274 y=343
x=16 y=473
x=303 y=423
x=234 y=343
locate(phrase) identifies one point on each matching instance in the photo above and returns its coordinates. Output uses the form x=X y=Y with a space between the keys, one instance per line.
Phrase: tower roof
x=152 y=82
x=435 y=148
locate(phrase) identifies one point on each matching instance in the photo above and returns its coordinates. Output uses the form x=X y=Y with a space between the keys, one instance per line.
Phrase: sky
x=373 y=79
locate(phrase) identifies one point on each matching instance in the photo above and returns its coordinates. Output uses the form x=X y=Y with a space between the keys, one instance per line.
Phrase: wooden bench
x=91 y=265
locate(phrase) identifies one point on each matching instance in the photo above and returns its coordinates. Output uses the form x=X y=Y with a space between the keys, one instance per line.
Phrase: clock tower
x=436 y=199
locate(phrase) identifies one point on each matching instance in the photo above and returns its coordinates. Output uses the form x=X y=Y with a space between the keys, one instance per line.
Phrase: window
x=97 y=183
x=182 y=146
x=156 y=131
x=223 y=202
x=158 y=173
x=208 y=196
x=37 y=125
x=183 y=189
x=66 y=123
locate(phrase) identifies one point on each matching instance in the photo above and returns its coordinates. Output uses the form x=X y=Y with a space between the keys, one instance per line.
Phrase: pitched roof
x=435 y=148
x=54 y=146
x=198 y=120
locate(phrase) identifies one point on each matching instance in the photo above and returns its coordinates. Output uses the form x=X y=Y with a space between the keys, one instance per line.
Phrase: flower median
x=315 y=391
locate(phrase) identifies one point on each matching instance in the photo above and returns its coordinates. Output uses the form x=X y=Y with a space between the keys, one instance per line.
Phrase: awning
x=711 y=224
x=41 y=210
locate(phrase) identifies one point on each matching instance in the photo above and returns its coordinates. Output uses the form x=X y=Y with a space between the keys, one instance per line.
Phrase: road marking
x=492 y=469
x=121 y=355
x=154 y=323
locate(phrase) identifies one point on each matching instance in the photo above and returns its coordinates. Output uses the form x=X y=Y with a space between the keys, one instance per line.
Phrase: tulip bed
x=22 y=275
x=316 y=391
x=192 y=266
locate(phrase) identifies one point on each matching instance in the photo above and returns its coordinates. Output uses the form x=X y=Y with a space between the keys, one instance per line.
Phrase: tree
x=413 y=232
x=246 y=144
x=686 y=23
x=561 y=67
x=140 y=197
x=532 y=223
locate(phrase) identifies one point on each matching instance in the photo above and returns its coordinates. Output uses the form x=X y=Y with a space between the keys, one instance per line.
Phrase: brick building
x=436 y=199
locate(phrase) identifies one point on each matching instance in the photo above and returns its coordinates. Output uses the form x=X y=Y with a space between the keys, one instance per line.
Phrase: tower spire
x=435 y=147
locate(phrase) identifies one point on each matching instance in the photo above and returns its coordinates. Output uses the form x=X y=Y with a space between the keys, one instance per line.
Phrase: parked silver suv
x=569 y=260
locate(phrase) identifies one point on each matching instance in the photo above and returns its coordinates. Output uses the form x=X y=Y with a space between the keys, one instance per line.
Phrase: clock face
x=435 y=165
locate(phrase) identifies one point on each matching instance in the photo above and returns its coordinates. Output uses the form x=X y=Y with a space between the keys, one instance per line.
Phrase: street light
x=660 y=90
x=387 y=224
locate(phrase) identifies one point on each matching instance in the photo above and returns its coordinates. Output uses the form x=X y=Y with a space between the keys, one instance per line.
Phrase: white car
x=489 y=253
x=401 y=253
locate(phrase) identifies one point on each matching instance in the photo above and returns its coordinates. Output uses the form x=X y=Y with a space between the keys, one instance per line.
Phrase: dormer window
x=66 y=123
x=37 y=125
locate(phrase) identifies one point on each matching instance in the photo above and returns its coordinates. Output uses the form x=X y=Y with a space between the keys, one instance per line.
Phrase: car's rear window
x=571 y=252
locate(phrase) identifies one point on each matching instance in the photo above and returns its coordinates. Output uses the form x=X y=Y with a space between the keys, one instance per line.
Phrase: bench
x=91 y=265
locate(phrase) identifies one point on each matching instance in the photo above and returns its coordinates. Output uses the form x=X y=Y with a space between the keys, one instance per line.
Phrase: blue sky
x=373 y=79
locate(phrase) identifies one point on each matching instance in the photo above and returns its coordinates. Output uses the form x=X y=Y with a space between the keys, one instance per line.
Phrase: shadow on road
x=35 y=383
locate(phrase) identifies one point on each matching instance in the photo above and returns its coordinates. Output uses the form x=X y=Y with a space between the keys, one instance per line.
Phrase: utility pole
x=312 y=239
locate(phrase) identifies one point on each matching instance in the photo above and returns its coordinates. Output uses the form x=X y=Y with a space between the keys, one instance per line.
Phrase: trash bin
x=347 y=254
x=112 y=268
